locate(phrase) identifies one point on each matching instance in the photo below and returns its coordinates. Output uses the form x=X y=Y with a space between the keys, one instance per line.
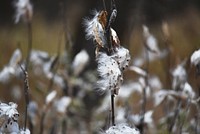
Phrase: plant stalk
x=176 y=113
x=42 y=122
x=144 y=90
x=29 y=26
x=26 y=89
x=112 y=109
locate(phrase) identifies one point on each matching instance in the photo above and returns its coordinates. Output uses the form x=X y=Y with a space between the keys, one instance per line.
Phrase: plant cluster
x=64 y=96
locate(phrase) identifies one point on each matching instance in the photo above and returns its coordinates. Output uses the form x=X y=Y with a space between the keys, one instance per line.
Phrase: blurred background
x=182 y=16
x=52 y=18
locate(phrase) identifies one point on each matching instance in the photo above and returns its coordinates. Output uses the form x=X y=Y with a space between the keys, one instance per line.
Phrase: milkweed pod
x=95 y=28
x=109 y=72
x=122 y=57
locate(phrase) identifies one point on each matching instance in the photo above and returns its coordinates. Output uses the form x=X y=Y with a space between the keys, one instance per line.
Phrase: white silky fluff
x=122 y=57
x=80 y=61
x=108 y=70
x=159 y=97
x=195 y=58
x=114 y=36
x=9 y=115
x=23 y=7
x=138 y=70
x=51 y=96
x=9 y=127
x=27 y=131
x=12 y=69
x=135 y=118
x=9 y=110
x=94 y=30
x=16 y=58
x=179 y=77
x=122 y=129
x=62 y=104
x=188 y=91
x=151 y=41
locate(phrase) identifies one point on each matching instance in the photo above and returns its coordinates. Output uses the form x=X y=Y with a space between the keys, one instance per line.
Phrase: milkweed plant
x=60 y=93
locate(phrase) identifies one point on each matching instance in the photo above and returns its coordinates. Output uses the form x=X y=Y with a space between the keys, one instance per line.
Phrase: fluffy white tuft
x=187 y=90
x=79 y=62
x=16 y=58
x=120 y=115
x=122 y=57
x=38 y=58
x=195 y=58
x=9 y=114
x=108 y=70
x=179 y=77
x=9 y=110
x=151 y=42
x=24 y=9
x=62 y=104
x=12 y=69
x=9 y=127
x=27 y=131
x=138 y=70
x=95 y=30
x=6 y=74
x=159 y=97
x=122 y=129
x=136 y=118
x=51 y=96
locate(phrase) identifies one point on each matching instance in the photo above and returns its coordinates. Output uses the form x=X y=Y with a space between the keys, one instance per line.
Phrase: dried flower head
x=24 y=10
